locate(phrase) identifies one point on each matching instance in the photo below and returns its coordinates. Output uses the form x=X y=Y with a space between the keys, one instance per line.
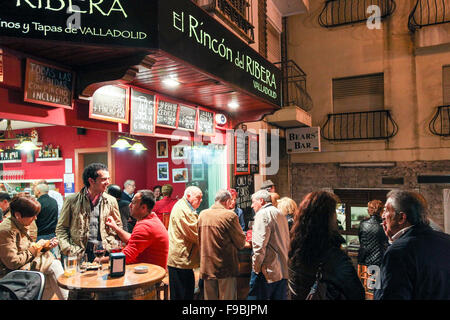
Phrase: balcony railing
x=294 y=86
x=342 y=12
x=429 y=12
x=440 y=124
x=236 y=13
x=368 y=125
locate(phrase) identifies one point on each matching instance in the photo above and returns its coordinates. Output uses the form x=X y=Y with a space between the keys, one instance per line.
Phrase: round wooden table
x=99 y=286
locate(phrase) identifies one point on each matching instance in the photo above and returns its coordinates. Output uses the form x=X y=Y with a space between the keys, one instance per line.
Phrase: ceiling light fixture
x=233 y=105
x=138 y=147
x=171 y=82
x=27 y=145
x=122 y=143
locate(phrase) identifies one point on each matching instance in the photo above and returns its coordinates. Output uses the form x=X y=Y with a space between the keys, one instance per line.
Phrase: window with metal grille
x=358 y=106
x=360 y=93
x=440 y=123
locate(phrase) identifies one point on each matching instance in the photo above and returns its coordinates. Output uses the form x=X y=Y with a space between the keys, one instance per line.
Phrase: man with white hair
x=220 y=237
x=270 y=241
x=128 y=190
x=183 y=245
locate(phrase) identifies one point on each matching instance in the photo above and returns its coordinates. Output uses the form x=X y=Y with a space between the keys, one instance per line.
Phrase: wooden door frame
x=79 y=162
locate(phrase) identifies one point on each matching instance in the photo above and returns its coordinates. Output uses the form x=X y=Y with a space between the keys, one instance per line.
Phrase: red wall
x=68 y=140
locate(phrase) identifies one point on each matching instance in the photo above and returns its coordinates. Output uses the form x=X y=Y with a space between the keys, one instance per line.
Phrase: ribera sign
x=187 y=31
x=117 y=22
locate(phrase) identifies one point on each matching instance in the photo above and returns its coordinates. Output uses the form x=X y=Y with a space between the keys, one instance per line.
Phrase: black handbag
x=323 y=289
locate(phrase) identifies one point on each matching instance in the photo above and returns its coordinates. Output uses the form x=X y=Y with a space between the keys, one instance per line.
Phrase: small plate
x=141 y=269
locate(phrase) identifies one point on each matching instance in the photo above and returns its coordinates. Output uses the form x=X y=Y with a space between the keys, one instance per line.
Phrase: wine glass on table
x=99 y=252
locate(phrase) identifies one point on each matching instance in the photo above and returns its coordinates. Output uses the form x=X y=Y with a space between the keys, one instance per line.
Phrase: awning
x=141 y=43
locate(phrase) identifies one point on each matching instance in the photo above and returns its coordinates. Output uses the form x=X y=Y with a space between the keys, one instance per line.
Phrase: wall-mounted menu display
x=254 y=153
x=187 y=118
x=167 y=114
x=142 y=113
x=245 y=187
x=48 y=85
x=241 y=159
x=110 y=103
x=206 y=122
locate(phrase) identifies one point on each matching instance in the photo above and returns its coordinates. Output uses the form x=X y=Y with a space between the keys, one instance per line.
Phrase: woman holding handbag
x=318 y=268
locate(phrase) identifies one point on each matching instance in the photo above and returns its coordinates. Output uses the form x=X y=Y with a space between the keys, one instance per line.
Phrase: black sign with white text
x=116 y=22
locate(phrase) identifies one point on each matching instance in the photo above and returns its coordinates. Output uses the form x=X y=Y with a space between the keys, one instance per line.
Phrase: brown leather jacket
x=220 y=237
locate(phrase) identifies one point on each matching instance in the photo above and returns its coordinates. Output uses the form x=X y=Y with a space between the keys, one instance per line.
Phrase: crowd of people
x=296 y=249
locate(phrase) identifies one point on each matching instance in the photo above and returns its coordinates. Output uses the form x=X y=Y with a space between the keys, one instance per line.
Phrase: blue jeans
x=260 y=289
x=50 y=236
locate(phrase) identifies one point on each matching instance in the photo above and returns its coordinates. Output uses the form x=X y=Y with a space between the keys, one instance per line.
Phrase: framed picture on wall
x=197 y=172
x=179 y=152
x=162 y=169
x=162 y=149
x=179 y=175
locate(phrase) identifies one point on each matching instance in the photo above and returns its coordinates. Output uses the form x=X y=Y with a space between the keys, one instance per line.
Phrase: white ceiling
x=17 y=125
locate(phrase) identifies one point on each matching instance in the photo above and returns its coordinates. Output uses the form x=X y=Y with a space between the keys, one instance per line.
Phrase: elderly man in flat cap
x=269 y=186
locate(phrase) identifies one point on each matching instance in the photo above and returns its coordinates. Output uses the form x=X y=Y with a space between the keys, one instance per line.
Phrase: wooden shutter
x=446 y=85
x=361 y=93
x=273 y=44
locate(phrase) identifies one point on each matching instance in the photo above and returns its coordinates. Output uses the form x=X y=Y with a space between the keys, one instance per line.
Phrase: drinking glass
x=70 y=265
x=82 y=262
x=118 y=246
x=99 y=252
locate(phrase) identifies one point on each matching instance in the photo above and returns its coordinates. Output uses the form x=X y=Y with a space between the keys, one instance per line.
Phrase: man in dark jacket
x=417 y=264
x=48 y=216
x=372 y=239
x=220 y=237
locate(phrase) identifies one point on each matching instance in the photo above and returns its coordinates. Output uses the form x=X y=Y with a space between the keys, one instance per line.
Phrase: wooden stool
x=162 y=287
x=364 y=277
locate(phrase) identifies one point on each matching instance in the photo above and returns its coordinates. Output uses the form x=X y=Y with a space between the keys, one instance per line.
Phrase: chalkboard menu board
x=167 y=114
x=142 y=113
x=254 y=153
x=241 y=159
x=110 y=103
x=245 y=187
x=48 y=85
x=187 y=118
x=206 y=123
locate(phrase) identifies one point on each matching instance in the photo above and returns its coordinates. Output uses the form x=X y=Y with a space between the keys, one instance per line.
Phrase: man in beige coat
x=82 y=222
x=183 y=245
x=220 y=237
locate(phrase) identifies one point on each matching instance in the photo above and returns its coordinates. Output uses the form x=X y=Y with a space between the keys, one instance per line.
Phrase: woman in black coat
x=372 y=239
x=315 y=240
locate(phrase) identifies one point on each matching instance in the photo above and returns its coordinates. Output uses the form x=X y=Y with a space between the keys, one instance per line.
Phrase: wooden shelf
x=30 y=180
x=11 y=161
x=49 y=159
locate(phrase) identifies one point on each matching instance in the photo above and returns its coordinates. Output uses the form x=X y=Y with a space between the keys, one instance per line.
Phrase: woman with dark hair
x=372 y=239
x=18 y=251
x=315 y=241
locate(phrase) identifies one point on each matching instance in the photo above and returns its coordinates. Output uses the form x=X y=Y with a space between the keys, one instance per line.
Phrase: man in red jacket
x=164 y=206
x=149 y=241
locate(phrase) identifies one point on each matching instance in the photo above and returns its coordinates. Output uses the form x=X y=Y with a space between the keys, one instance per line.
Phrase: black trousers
x=181 y=283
